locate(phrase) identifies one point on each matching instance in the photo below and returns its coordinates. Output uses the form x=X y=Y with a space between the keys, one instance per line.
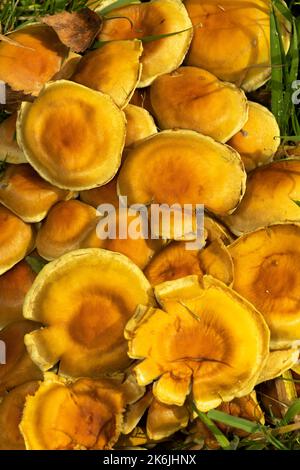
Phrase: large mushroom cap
x=10 y=151
x=85 y=414
x=259 y=139
x=176 y=261
x=16 y=239
x=202 y=347
x=183 y=167
x=85 y=299
x=149 y=19
x=38 y=58
x=114 y=69
x=266 y=272
x=271 y=197
x=232 y=39
x=192 y=98
x=28 y=195
x=73 y=136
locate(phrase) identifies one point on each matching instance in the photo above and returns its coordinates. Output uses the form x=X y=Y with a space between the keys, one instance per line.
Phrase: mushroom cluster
x=113 y=341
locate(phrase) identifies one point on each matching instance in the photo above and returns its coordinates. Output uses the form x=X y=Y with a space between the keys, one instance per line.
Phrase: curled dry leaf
x=76 y=30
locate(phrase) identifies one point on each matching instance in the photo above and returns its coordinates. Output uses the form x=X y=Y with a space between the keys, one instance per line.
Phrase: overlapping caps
x=102 y=332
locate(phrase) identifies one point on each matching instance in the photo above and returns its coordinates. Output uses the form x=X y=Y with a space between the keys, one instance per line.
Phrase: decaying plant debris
x=133 y=342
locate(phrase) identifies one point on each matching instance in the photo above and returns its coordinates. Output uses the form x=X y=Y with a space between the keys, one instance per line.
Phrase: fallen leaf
x=77 y=30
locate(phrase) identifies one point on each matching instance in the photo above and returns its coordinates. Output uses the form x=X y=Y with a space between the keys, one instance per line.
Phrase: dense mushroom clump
x=118 y=333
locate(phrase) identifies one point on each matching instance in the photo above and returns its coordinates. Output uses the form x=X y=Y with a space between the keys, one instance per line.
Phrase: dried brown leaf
x=77 y=30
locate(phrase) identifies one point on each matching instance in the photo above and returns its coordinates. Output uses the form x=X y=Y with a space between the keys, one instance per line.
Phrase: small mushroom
x=140 y=124
x=192 y=98
x=114 y=69
x=259 y=139
x=10 y=151
x=16 y=239
x=28 y=195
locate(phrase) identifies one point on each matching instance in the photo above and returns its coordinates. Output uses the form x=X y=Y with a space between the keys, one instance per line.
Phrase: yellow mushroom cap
x=258 y=140
x=10 y=152
x=183 y=167
x=64 y=229
x=175 y=261
x=14 y=285
x=18 y=367
x=84 y=299
x=232 y=39
x=26 y=194
x=278 y=362
x=203 y=348
x=29 y=66
x=140 y=124
x=192 y=98
x=164 y=420
x=266 y=273
x=85 y=414
x=73 y=136
x=11 y=409
x=151 y=19
x=271 y=197
x=114 y=69
x=16 y=239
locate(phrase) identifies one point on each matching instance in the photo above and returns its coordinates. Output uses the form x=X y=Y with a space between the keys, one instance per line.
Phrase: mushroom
x=114 y=69
x=175 y=261
x=11 y=408
x=164 y=420
x=26 y=194
x=31 y=63
x=84 y=299
x=232 y=39
x=58 y=143
x=192 y=98
x=183 y=167
x=155 y=18
x=62 y=415
x=203 y=349
x=272 y=196
x=259 y=139
x=10 y=152
x=140 y=124
x=18 y=367
x=16 y=239
x=14 y=285
x=266 y=273
x=65 y=228
x=278 y=362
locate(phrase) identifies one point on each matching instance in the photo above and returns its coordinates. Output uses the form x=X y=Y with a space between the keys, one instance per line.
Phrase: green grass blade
x=220 y=437
x=293 y=410
x=115 y=5
x=276 y=72
x=234 y=421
